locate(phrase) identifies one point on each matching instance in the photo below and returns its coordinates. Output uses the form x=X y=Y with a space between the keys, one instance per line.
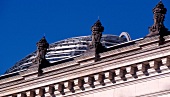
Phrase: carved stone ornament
x=42 y=46
x=158 y=27
x=97 y=30
x=40 y=59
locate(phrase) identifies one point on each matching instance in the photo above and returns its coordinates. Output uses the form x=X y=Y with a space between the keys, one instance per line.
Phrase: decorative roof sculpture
x=97 y=30
x=40 y=61
x=42 y=46
x=158 y=27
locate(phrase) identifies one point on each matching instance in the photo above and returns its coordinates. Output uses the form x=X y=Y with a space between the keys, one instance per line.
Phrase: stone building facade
x=138 y=68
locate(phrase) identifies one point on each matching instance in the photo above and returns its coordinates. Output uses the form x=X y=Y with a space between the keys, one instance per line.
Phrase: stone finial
x=42 y=46
x=97 y=30
x=40 y=60
x=158 y=27
x=159 y=13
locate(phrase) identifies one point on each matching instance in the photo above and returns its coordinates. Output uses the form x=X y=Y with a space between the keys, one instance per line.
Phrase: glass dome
x=68 y=48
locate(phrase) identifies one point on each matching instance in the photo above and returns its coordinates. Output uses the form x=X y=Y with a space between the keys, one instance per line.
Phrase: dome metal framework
x=68 y=48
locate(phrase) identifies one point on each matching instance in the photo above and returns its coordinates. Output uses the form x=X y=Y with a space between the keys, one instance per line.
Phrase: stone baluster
x=156 y=65
x=133 y=71
x=112 y=76
x=91 y=81
x=145 y=67
x=81 y=83
x=122 y=73
x=101 y=78
x=71 y=86
x=61 y=88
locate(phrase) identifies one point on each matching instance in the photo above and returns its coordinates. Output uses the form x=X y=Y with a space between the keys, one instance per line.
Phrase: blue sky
x=24 y=22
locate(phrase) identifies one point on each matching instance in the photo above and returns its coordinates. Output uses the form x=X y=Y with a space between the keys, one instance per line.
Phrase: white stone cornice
x=50 y=82
x=140 y=55
x=60 y=66
x=119 y=51
x=116 y=63
x=116 y=68
x=148 y=40
x=38 y=91
x=11 y=79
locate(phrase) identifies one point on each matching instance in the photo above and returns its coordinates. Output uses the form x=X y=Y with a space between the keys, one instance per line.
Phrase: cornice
x=11 y=79
x=125 y=57
x=60 y=66
x=113 y=52
x=148 y=40
x=107 y=82
x=55 y=78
